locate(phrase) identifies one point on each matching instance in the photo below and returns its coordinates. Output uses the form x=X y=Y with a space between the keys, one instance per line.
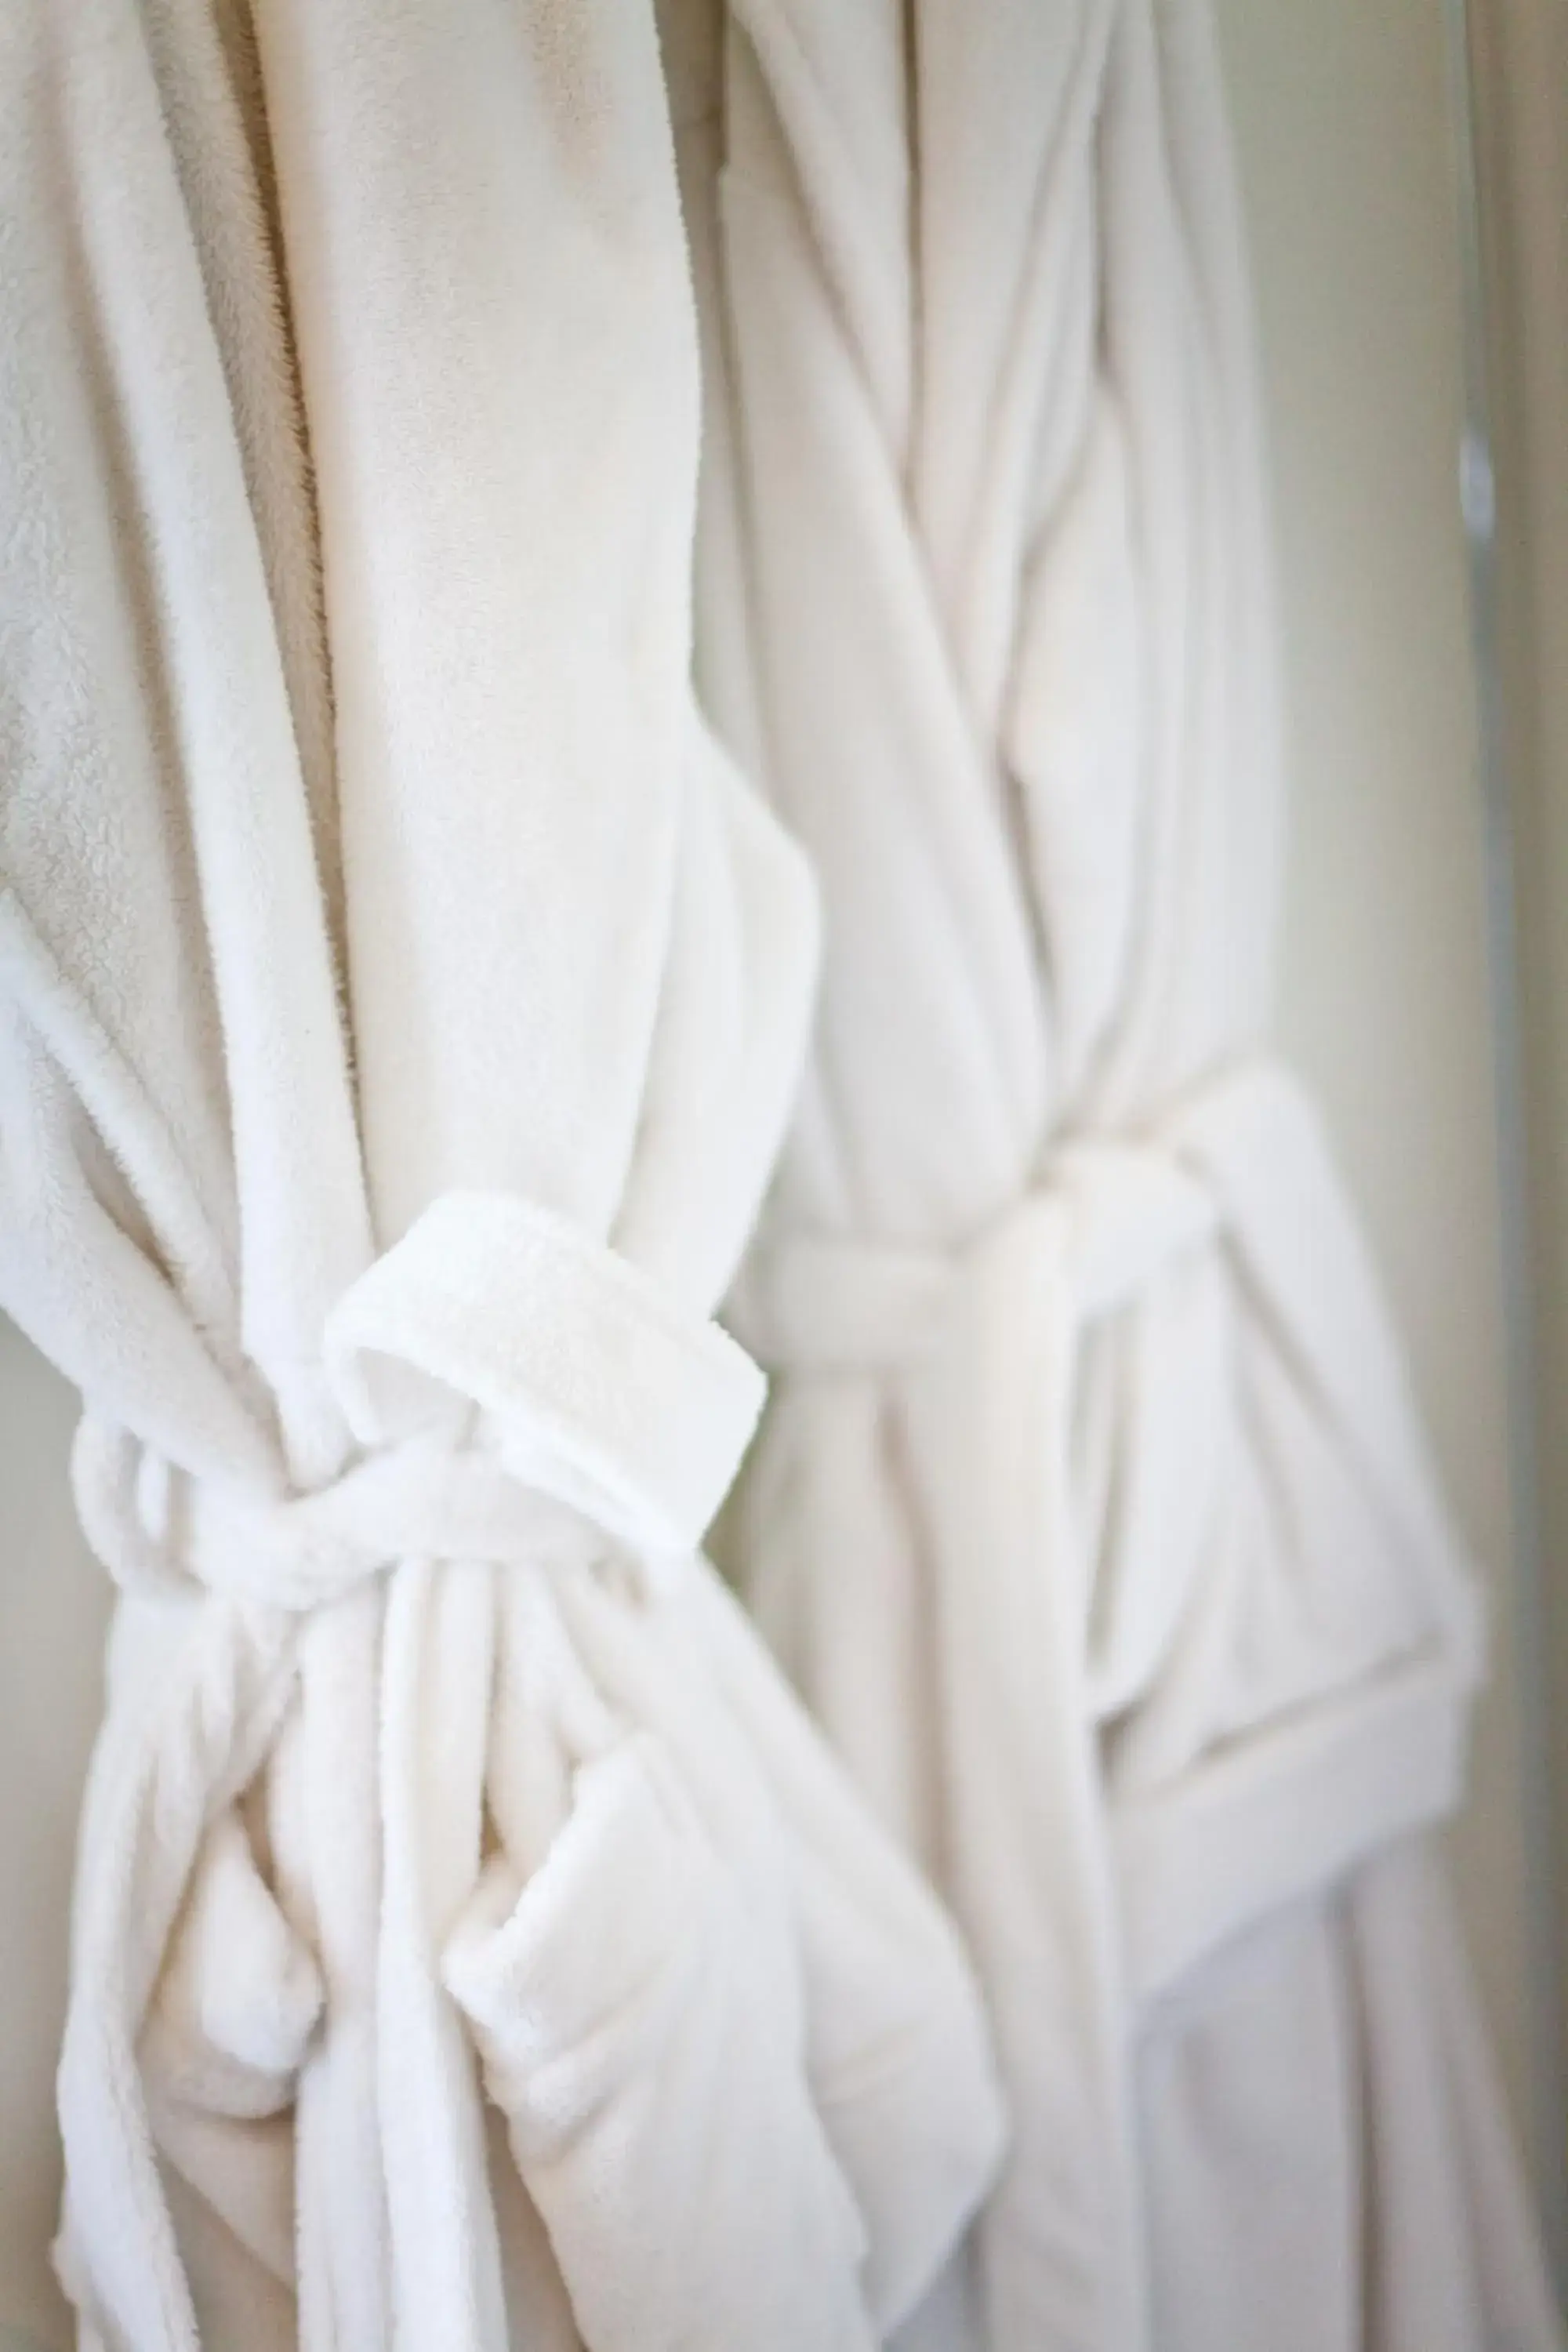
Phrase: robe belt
x=1080 y=1906
x=1124 y=1210
x=1239 y=1160
x=522 y=1396
x=596 y=1399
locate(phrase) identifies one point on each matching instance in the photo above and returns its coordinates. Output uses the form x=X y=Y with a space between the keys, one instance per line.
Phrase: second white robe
x=1092 y=1513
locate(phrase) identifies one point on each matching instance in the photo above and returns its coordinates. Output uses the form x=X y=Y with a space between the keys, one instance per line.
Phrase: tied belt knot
x=606 y=1417
x=518 y=1835
x=982 y=1344
x=1106 y=1216
x=1088 y=1887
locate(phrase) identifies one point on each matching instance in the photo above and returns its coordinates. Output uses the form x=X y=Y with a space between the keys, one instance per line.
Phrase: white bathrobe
x=400 y=1002
x=1092 y=1514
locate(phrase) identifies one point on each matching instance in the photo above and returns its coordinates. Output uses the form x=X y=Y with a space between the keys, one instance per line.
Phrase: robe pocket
x=641 y=2031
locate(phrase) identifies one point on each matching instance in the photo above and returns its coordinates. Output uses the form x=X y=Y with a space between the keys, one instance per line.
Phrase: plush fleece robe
x=1091 y=1512
x=400 y=1002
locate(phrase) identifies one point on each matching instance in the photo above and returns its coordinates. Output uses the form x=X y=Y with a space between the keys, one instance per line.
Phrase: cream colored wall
x=1519 y=50
x=1341 y=123
x=53 y=1610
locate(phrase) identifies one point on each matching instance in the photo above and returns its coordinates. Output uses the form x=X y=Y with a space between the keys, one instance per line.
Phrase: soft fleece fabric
x=400 y=1002
x=1091 y=1514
